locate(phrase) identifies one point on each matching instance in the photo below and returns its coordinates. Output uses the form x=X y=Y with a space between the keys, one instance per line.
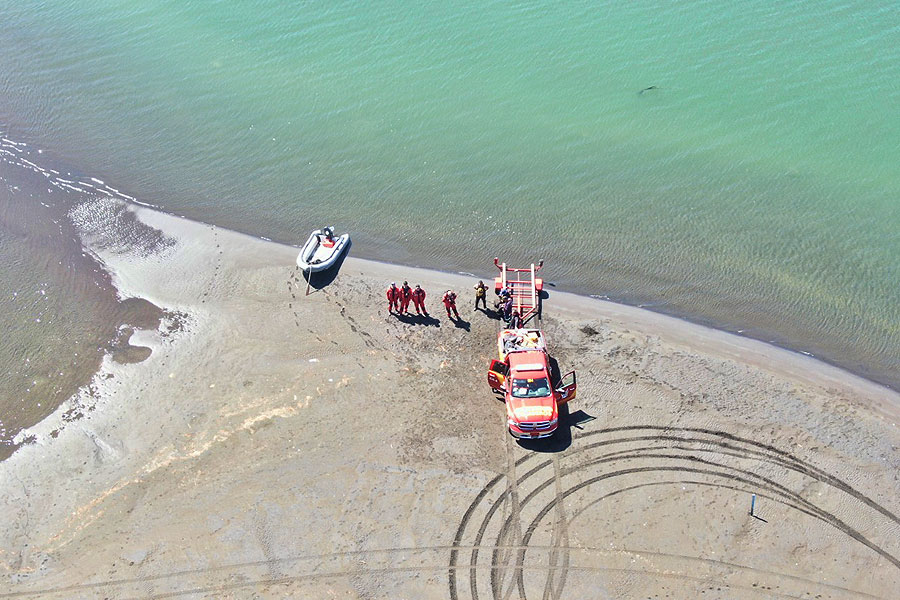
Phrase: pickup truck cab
x=524 y=377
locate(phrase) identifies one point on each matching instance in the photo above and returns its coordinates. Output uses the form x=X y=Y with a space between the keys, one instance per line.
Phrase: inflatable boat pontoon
x=322 y=250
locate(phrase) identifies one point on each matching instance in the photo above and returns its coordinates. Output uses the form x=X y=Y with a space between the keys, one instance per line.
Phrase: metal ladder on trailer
x=525 y=287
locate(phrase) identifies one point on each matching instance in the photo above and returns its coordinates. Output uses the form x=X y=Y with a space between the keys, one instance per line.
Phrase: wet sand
x=280 y=445
x=59 y=312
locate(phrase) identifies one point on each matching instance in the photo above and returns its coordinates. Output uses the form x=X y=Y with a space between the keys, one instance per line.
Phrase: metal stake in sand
x=308 y=281
x=753 y=509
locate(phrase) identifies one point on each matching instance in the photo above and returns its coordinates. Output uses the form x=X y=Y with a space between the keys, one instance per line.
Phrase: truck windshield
x=531 y=388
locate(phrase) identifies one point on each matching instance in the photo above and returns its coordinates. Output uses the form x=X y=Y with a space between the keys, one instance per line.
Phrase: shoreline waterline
x=760 y=354
x=783 y=363
x=790 y=361
x=618 y=307
x=852 y=327
x=96 y=188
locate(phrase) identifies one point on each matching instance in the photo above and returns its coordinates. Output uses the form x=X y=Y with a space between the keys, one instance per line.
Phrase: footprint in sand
x=293 y=297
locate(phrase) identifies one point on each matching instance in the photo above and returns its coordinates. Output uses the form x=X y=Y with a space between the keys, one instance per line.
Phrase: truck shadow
x=558 y=442
x=562 y=439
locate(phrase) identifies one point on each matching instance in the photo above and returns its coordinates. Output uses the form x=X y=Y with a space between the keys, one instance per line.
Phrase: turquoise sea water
x=755 y=187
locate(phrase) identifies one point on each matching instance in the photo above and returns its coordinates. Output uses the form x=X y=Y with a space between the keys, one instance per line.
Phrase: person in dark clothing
x=502 y=295
x=516 y=322
x=507 y=308
x=480 y=295
x=449 y=301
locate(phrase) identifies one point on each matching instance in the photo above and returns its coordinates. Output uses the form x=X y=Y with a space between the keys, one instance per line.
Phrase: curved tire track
x=709 y=457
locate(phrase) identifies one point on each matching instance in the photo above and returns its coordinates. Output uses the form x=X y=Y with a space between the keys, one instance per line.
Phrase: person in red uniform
x=418 y=298
x=393 y=297
x=405 y=297
x=449 y=301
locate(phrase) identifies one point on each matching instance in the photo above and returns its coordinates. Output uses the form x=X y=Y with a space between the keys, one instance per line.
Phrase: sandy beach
x=272 y=444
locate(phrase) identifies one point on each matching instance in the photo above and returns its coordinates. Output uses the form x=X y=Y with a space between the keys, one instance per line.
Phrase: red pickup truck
x=523 y=375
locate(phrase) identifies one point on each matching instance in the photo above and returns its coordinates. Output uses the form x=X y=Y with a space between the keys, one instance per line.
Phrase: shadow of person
x=461 y=324
x=555 y=375
x=490 y=313
x=579 y=418
x=320 y=279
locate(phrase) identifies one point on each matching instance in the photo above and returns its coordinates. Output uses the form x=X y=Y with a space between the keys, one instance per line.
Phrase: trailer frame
x=526 y=288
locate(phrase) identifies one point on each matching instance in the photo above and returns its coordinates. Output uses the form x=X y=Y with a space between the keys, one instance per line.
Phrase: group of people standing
x=504 y=306
x=399 y=298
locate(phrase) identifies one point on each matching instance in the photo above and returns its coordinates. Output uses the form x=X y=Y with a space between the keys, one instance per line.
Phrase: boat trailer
x=525 y=287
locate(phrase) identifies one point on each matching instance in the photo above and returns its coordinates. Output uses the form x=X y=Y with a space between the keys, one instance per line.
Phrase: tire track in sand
x=701 y=456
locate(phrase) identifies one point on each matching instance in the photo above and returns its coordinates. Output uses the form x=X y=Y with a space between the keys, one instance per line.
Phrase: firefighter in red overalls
x=405 y=297
x=418 y=298
x=449 y=301
x=393 y=297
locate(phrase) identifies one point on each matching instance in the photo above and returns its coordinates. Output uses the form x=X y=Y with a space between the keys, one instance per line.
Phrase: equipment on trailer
x=524 y=287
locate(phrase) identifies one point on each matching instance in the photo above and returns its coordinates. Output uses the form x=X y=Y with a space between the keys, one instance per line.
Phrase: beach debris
x=314 y=360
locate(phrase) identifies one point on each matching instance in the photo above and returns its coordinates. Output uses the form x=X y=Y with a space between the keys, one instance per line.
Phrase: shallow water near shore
x=53 y=309
x=59 y=310
x=736 y=166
